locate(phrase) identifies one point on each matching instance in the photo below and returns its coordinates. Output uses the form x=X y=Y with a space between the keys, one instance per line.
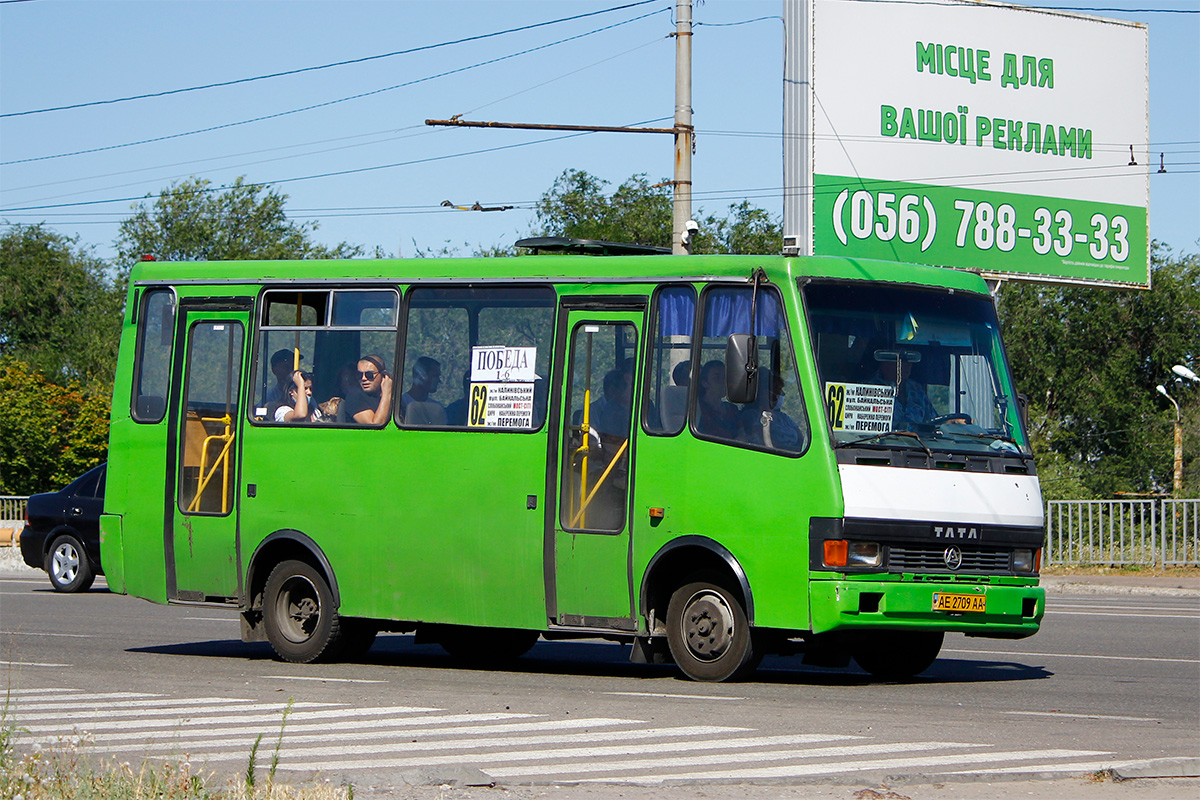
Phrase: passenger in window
x=282 y=364
x=298 y=405
x=417 y=406
x=714 y=416
x=610 y=413
x=372 y=404
x=456 y=412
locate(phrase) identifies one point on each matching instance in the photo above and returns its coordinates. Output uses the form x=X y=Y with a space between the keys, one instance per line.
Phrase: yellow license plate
x=959 y=602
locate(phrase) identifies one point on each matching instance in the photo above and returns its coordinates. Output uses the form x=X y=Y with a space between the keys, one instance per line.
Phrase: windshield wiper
x=995 y=437
x=875 y=436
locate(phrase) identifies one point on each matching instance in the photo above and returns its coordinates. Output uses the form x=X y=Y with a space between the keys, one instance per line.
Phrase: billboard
x=990 y=137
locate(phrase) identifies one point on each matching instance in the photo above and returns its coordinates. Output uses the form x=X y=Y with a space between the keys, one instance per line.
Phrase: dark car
x=62 y=532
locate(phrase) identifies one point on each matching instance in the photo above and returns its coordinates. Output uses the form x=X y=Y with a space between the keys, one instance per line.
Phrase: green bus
x=710 y=458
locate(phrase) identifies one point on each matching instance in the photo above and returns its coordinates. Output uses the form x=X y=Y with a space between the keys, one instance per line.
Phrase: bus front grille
x=932 y=558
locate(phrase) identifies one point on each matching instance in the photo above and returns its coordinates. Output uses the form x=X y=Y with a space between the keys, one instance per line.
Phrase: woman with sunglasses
x=373 y=404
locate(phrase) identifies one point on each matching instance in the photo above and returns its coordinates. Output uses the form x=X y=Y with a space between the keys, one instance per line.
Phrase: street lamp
x=1184 y=372
x=1178 y=437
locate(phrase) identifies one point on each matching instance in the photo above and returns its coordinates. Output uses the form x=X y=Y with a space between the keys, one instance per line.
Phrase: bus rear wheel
x=898 y=655
x=708 y=633
x=301 y=622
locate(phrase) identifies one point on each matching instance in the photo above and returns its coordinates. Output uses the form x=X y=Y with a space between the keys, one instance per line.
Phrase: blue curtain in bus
x=727 y=311
x=677 y=311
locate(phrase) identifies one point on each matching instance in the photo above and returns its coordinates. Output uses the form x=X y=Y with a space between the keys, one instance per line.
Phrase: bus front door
x=202 y=507
x=590 y=587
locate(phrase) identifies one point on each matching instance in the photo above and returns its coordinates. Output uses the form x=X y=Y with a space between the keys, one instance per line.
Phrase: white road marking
x=685 y=762
x=681 y=696
x=294 y=726
x=74 y=714
x=274 y=716
x=508 y=756
x=44 y=633
x=45 y=696
x=322 y=732
x=1074 y=655
x=1080 y=716
x=31 y=664
x=326 y=680
x=800 y=770
x=292 y=752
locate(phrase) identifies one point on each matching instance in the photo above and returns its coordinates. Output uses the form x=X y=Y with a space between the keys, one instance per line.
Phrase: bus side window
x=152 y=371
x=775 y=420
x=325 y=334
x=477 y=358
x=670 y=371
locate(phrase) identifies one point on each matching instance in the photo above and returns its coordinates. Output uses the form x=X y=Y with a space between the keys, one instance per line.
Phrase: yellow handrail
x=221 y=460
x=578 y=520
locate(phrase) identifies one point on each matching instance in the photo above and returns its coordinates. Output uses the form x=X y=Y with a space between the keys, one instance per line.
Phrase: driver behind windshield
x=912 y=405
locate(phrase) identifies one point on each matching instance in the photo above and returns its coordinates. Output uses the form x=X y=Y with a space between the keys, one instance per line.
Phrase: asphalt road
x=1110 y=679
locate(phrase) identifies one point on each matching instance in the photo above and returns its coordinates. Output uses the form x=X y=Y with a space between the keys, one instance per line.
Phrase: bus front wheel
x=302 y=624
x=708 y=633
x=898 y=655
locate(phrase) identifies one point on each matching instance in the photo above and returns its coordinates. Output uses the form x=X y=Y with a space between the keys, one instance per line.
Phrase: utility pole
x=684 y=132
x=797 y=129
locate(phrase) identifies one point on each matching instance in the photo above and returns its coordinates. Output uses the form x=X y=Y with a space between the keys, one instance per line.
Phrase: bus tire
x=302 y=624
x=897 y=655
x=708 y=633
x=68 y=566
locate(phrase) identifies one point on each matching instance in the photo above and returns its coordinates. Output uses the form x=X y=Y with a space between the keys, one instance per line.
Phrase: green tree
x=191 y=221
x=49 y=434
x=1089 y=359
x=59 y=311
x=640 y=212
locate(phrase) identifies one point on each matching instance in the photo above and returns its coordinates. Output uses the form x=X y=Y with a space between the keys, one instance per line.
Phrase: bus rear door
x=588 y=563
x=202 y=504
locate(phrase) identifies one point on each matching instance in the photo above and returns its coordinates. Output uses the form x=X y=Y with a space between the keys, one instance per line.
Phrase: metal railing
x=1123 y=532
x=12 y=517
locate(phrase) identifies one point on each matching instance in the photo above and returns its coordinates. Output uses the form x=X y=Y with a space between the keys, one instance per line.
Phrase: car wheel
x=708 y=633
x=301 y=623
x=898 y=655
x=68 y=566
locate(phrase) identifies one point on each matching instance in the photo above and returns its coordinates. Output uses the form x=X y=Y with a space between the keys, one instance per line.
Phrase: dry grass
x=66 y=770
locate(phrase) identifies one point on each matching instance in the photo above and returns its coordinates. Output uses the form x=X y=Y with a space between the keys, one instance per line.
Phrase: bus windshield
x=906 y=367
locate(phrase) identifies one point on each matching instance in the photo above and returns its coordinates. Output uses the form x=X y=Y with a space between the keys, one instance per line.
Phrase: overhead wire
x=336 y=173
x=424 y=130
x=315 y=68
x=361 y=95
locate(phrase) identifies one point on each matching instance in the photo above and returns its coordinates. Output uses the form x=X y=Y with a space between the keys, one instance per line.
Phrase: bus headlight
x=864 y=554
x=840 y=553
x=1022 y=561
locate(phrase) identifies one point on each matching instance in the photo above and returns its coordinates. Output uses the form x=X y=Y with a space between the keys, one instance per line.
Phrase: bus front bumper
x=1001 y=611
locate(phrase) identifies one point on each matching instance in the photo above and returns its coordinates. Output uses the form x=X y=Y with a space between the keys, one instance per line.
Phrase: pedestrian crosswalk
x=508 y=746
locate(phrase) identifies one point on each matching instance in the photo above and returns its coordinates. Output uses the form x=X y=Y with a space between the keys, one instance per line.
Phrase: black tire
x=68 y=566
x=708 y=633
x=485 y=646
x=898 y=655
x=302 y=624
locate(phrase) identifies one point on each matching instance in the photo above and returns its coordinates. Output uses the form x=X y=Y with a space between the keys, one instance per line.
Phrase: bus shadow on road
x=593 y=658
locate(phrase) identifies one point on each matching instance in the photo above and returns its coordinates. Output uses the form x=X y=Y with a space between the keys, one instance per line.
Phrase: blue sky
x=370 y=172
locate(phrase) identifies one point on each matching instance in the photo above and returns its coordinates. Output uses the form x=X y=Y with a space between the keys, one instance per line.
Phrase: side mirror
x=1023 y=410
x=741 y=368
